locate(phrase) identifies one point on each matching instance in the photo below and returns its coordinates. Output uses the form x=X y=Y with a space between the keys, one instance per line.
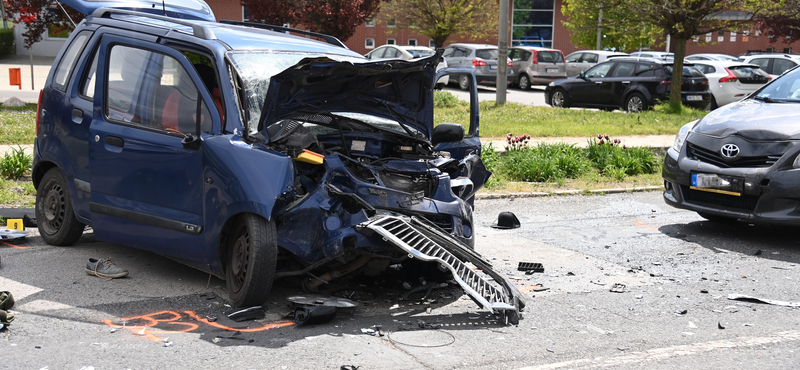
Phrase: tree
x=682 y=19
x=582 y=23
x=782 y=21
x=337 y=18
x=438 y=19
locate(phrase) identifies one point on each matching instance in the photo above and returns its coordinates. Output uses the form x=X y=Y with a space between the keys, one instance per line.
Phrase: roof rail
x=198 y=30
x=328 y=38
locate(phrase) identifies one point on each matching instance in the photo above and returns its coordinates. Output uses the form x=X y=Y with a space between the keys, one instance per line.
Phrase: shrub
x=445 y=99
x=613 y=158
x=543 y=163
x=6 y=42
x=15 y=163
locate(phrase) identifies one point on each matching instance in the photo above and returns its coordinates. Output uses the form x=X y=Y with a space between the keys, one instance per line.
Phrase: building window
x=432 y=44
x=787 y=50
x=721 y=36
x=412 y=42
x=245 y=14
x=532 y=23
x=391 y=22
x=369 y=21
x=369 y=43
x=733 y=36
x=391 y=41
x=770 y=50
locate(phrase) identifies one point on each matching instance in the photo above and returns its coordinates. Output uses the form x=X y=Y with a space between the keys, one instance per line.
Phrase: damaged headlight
x=681 y=137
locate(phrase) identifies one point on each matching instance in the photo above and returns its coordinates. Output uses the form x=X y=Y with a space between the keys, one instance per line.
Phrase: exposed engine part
x=313 y=283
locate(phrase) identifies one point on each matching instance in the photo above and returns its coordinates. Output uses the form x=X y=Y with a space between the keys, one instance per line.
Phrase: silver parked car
x=482 y=57
x=582 y=60
x=536 y=66
x=407 y=52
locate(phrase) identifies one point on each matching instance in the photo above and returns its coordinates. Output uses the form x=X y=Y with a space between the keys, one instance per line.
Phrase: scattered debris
x=681 y=312
x=570 y=273
x=235 y=335
x=720 y=326
x=550 y=350
x=349 y=367
x=639 y=296
x=623 y=348
x=692 y=325
x=746 y=298
x=374 y=331
x=9 y=234
x=506 y=220
x=704 y=291
x=314 y=315
x=757 y=253
x=211 y=318
x=539 y=288
x=530 y=267
x=617 y=288
x=166 y=343
x=250 y=313
x=321 y=300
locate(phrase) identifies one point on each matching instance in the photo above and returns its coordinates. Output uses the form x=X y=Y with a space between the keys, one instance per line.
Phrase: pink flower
x=601 y=142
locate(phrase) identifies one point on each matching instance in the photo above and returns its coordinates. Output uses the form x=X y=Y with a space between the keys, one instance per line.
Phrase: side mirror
x=191 y=142
x=447 y=133
x=583 y=74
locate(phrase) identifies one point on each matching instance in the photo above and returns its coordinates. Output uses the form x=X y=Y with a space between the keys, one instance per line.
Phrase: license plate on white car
x=694 y=97
x=718 y=184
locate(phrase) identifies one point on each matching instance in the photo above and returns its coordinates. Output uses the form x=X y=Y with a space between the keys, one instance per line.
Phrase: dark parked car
x=741 y=161
x=633 y=84
x=253 y=154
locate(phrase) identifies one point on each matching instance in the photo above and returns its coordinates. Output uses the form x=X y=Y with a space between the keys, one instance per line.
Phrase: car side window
x=89 y=79
x=645 y=70
x=67 y=63
x=589 y=58
x=624 y=69
x=460 y=53
x=448 y=52
x=153 y=90
x=782 y=65
x=525 y=55
x=600 y=70
x=391 y=53
x=761 y=62
x=574 y=58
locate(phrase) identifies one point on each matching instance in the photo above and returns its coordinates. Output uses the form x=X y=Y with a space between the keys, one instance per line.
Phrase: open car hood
x=398 y=90
x=186 y=9
x=754 y=120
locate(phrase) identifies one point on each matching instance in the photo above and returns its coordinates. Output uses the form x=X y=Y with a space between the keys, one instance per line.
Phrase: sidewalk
x=41 y=67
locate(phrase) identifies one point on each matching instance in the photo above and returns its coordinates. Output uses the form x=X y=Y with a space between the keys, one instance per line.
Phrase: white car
x=407 y=52
x=582 y=60
x=711 y=56
x=663 y=55
x=730 y=81
x=774 y=64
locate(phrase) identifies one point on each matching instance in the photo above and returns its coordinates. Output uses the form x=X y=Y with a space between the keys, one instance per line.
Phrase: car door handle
x=626 y=82
x=115 y=141
x=599 y=82
x=77 y=113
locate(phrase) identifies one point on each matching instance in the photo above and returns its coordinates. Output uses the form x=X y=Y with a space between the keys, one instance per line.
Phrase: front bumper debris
x=424 y=240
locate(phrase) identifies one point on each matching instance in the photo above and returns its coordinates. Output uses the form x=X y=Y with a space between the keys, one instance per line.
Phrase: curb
x=567 y=192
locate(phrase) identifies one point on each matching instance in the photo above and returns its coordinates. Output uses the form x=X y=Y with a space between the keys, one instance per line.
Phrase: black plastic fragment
x=530 y=266
x=251 y=313
x=314 y=315
x=235 y=335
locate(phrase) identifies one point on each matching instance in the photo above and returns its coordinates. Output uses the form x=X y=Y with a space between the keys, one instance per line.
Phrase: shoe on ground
x=6 y=300
x=5 y=317
x=104 y=268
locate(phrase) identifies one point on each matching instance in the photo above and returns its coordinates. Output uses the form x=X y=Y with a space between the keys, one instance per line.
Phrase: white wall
x=48 y=47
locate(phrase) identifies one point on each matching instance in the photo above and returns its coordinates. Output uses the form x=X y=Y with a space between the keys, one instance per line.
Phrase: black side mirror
x=583 y=74
x=191 y=142
x=447 y=133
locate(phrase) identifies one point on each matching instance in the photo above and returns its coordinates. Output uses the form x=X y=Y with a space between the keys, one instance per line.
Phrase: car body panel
x=187 y=9
x=752 y=145
x=748 y=78
x=407 y=52
x=462 y=56
x=711 y=57
x=582 y=60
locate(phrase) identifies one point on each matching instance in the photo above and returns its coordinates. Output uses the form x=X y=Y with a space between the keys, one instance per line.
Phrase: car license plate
x=552 y=70
x=492 y=67
x=694 y=97
x=718 y=184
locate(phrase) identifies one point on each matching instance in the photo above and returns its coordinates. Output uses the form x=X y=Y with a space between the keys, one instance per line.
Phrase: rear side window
x=761 y=62
x=486 y=53
x=68 y=60
x=590 y=58
x=460 y=53
x=624 y=69
x=645 y=70
x=574 y=58
x=550 y=56
x=782 y=65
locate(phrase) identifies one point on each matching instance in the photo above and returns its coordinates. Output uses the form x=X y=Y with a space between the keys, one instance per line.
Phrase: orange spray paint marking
x=13 y=246
x=641 y=223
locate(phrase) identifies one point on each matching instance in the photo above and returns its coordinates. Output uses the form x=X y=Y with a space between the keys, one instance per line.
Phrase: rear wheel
x=464 y=82
x=559 y=99
x=252 y=253
x=713 y=103
x=55 y=217
x=635 y=103
x=524 y=82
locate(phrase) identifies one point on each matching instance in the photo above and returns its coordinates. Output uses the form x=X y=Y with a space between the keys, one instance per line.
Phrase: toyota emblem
x=729 y=150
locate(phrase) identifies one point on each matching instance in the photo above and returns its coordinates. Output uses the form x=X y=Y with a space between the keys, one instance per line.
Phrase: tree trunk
x=677 y=72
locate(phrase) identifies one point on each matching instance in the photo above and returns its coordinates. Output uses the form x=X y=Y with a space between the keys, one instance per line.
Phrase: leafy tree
x=782 y=21
x=582 y=23
x=438 y=19
x=337 y=18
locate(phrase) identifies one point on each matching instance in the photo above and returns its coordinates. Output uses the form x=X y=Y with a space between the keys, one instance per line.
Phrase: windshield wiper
x=767 y=99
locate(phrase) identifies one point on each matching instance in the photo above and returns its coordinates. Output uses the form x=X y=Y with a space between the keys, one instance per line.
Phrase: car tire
x=464 y=82
x=635 y=103
x=559 y=99
x=251 y=259
x=715 y=218
x=55 y=215
x=524 y=82
x=712 y=104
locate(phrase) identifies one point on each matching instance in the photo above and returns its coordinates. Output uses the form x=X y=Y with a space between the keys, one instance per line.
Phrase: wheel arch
x=647 y=96
x=39 y=170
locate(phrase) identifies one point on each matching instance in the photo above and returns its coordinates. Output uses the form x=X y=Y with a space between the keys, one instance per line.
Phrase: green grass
x=497 y=121
x=17 y=193
x=17 y=125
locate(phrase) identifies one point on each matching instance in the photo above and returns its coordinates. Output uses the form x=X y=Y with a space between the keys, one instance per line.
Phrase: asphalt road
x=534 y=96
x=674 y=313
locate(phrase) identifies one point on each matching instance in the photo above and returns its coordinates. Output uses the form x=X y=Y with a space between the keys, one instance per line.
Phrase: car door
x=146 y=185
x=587 y=90
x=615 y=87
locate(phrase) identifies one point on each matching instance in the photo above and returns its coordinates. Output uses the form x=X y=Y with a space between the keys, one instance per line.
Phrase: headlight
x=681 y=137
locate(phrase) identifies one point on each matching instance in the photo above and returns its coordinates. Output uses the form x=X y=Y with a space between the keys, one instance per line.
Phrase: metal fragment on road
x=617 y=288
x=747 y=298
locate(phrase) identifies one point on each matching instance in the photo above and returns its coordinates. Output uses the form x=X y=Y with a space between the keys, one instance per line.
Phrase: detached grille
x=744 y=202
x=444 y=222
x=708 y=156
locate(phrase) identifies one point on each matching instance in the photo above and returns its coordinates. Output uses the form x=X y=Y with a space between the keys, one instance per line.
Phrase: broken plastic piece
x=530 y=266
x=742 y=297
x=322 y=300
x=8 y=234
x=251 y=313
x=314 y=315
x=617 y=288
x=235 y=335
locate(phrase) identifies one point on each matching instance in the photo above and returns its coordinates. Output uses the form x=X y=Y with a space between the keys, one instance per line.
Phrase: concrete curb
x=567 y=192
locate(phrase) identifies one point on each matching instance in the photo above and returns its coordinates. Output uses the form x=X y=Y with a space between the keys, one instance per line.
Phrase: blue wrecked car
x=254 y=154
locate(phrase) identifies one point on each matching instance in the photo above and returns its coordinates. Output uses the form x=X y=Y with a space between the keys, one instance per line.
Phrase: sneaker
x=104 y=268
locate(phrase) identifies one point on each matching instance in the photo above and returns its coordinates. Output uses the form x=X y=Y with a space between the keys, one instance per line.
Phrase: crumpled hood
x=754 y=120
x=396 y=89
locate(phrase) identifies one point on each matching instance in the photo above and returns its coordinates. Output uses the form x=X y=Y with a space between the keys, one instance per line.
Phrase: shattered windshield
x=255 y=70
x=785 y=89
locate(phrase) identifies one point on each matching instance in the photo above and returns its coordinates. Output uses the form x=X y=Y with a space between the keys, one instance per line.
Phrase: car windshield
x=419 y=53
x=784 y=89
x=255 y=69
x=551 y=56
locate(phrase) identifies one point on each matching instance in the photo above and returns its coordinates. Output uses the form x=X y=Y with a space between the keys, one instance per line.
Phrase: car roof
x=645 y=59
x=537 y=48
x=724 y=63
x=475 y=46
x=185 y=9
x=601 y=52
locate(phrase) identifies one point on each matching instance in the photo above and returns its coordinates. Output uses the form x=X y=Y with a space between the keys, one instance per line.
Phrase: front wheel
x=55 y=215
x=559 y=99
x=524 y=82
x=252 y=254
x=464 y=82
x=635 y=103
